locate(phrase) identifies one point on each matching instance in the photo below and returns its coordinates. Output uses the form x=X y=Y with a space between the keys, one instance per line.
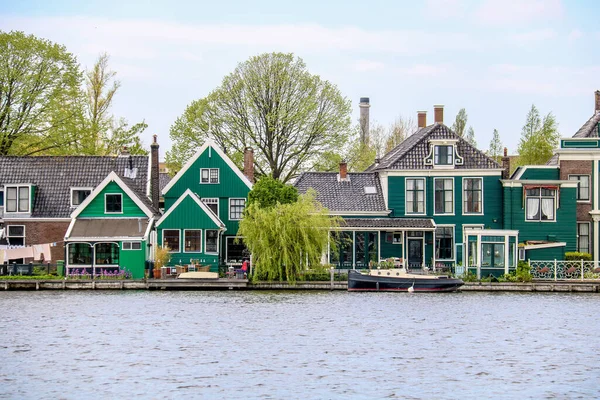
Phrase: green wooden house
x=204 y=203
x=110 y=231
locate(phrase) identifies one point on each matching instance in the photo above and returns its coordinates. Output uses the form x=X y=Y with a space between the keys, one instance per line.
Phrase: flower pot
x=156 y=273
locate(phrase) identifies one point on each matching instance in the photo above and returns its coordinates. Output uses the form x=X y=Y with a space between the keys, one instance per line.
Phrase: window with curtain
x=415 y=196
x=443 y=155
x=583 y=186
x=444 y=196
x=444 y=243
x=540 y=204
x=583 y=237
x=473 y=195
x=17 y=199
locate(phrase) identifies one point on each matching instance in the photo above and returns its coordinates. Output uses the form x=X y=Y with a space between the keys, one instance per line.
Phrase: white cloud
x=443 y=9
x=499 y=12
x=424 y=70
x=574 y=35
x=368 y=65
x=539 y=35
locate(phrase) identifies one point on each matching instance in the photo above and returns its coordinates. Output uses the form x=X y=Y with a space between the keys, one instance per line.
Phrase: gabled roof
x=54 y=176
x=590 y=128
x=163 y=180
x=141 y=201
x=200 y=203
x=344 y=196
x=410 y=154
x=208 y=144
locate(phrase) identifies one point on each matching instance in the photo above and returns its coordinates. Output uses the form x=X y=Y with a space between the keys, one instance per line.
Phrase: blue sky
x=493 y=57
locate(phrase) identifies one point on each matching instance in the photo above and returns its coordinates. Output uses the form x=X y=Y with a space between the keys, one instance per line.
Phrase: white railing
x=564 y=270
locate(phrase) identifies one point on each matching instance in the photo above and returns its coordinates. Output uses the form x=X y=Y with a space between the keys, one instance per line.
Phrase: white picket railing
x=564 y=270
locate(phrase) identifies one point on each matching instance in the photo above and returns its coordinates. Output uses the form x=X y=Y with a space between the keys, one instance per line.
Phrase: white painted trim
x=209 y=182
x=105 y=204
x=29 y=205
x=25 y=219
x=112 y=177
x=596 y=201
x=217 y=203
x=201 y=241
x=78 y=188
x=589 y=200
x=453 y=198
x=359 y=213
x=149 y=228
x=149 y=182
x=523 y=168
x=444 y=173
x=527 y=182
x=105 y=239
x=70 y=228
x=453 y=259
x=422 y=240
x=163 y=239
x=227 y=245
x=229 y=207
x=381 y=228
x=218 y=236
x=211 y=145
x=463 y=195
x=544 y=245
x=383 y=181
x=424 y=196
x=589 y=235
x=203 y=206
x=131 y=242
x=8 y=237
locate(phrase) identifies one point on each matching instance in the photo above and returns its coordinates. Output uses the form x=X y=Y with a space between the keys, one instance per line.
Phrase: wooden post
x=331 y=273
x=582 y=269
x=555 y=269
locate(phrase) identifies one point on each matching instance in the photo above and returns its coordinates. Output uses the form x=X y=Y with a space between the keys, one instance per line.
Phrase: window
x=236 y=250
x=212 y=241
x=236 y=208
x=444 y=197
x=209 y=175
x=213 y=204
x=583 y=237
x=521 y=254
x=397 y=238
x=78 y=195
x=443 y=155
x=80 y=254
x=114 y=203
x=444 y=243
x=171 y=240
x=1 y=198
x=107 y=253
x=192 y=240
x=17 y=199
x=415 y=196
x=540 y=204
x=473 y=195
x=132 y=245
x=583 y=186
x=16 y=235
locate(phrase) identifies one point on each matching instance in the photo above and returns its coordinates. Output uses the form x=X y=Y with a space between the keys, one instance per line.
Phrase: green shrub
x=576 y=256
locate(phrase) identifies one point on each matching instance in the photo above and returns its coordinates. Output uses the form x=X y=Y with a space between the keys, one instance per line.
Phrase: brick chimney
x=597 y=108
x=364 y=119
x=154 y=174
x=249 y=163
x=505 y=165
x=343 y=171
x=438 y=114
x=124 y=152
x=422 y=119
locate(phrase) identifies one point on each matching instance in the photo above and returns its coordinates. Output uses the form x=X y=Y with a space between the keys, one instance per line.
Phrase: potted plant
x=161 y=259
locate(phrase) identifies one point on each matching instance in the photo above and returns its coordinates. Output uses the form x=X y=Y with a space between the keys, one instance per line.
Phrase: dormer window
x=443 y=155
x=17 y=199
x=113 y=203
x=78 y=195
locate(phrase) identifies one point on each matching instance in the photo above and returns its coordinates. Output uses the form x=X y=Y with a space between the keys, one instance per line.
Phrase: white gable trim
x=112 y=177
x=203 y=206
x=525 y=167
x=208 y=144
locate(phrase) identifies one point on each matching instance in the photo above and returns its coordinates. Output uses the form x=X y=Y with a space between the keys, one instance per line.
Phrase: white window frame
x=201 y=243
x=91 y=189
x=540 y=197
x=406 y=212
x=589 y=187
x=435 y=146
x=464 y=179
x=589 y=235
x=209 y=176
x=453 y=227
x=129 y=245
x=18 y=187
x=206 y=236
x=521 y=251
x=453 y=199
x=229 y=208
x=3 y=198
x=106 y=204
x=211 y=200
x=8 y=236
x=163 y=239
x=401 y=237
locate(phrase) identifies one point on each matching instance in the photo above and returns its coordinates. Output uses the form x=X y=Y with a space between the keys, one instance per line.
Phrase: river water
x=282 y=345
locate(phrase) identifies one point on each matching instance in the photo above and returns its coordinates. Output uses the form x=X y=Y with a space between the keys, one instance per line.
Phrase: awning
x=115 y=229
x=416 y=224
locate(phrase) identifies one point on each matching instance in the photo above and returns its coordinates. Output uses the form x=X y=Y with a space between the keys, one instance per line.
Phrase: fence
x=28 y=269
x=564 y=270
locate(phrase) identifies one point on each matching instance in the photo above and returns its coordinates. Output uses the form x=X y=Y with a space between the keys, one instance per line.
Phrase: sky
x=495 y=58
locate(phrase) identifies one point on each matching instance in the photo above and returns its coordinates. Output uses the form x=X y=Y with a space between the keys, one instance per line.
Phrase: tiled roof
x=163 y=179
x=391 y=223
x=54 y=176
x=590 y=128
x=410 y=154
x=103 y=228
x=344 y=195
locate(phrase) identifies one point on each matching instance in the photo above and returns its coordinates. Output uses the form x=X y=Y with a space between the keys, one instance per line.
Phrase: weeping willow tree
x=286 y=239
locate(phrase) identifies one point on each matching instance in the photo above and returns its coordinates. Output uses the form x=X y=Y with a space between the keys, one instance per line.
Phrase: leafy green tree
x=460 y=122
x=273 y=104
x=496 y=148
x=470 y=136
x=539 y=138
x=268 y=192
x=40 y=97
x=286 y=239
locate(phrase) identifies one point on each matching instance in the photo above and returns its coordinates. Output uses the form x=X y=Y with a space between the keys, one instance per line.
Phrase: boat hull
x=358 y=282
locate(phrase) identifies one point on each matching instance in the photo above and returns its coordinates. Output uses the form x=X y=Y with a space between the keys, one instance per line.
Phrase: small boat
x=399 y=280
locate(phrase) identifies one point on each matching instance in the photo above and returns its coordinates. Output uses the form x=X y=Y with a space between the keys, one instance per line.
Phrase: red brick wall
x=579 y=167
x=37 y=232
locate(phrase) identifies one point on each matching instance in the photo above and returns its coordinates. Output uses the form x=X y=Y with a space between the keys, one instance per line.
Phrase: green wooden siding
x=580 y=143
x=97 y=207
x=389 y=249
x=541 y=173
x=133 y=261
x=551 y=253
